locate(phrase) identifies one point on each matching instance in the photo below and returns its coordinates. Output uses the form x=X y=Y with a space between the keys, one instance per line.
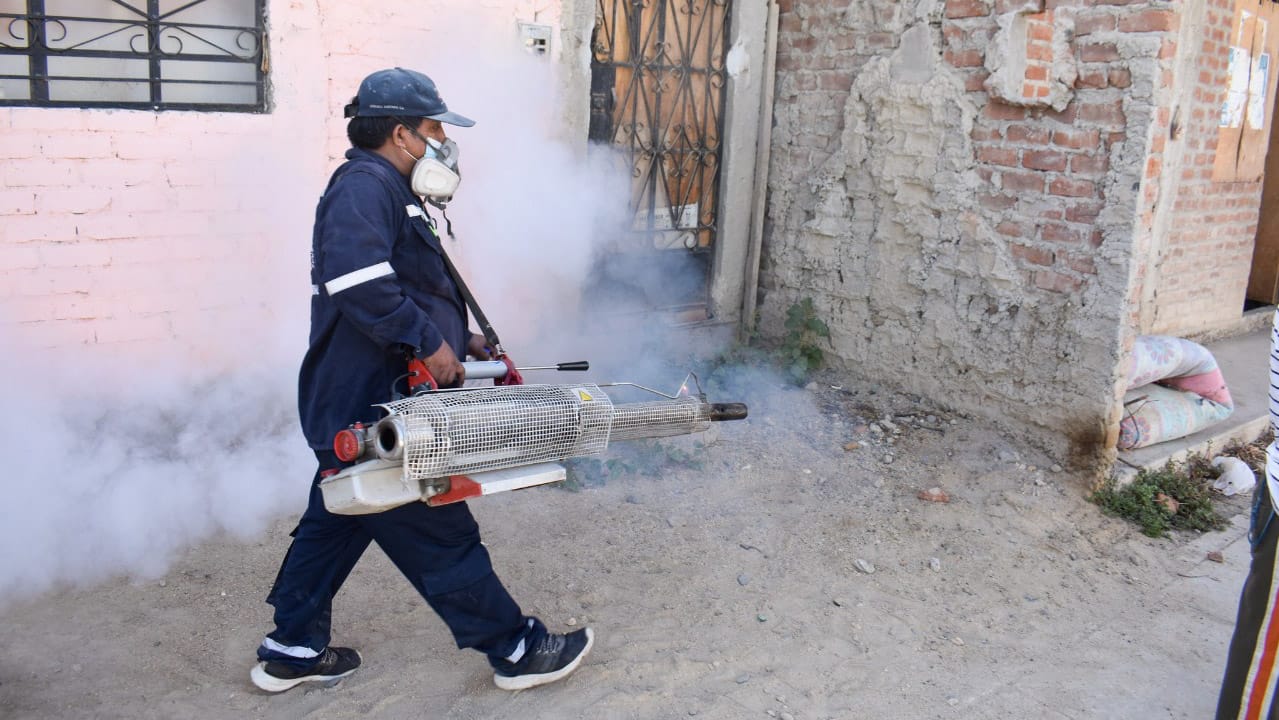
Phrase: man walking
x=381 y=293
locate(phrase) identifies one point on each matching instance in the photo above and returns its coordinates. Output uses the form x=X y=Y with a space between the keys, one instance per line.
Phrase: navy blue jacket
x=379 y=289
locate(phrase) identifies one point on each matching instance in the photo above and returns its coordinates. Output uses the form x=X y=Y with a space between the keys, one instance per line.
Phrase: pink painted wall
x=130 y=232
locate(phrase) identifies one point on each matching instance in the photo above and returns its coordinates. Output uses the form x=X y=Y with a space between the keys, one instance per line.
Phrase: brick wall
x=1194 y=272
x=130 y=231
x=999 y=281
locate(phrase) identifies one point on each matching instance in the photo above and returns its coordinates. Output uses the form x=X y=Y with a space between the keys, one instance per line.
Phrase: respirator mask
x=435 y=175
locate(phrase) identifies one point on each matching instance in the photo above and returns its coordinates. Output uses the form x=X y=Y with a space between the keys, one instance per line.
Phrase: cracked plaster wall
x=959 y=247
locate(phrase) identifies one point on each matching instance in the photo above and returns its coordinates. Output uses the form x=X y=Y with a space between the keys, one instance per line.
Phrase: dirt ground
x=734 y=590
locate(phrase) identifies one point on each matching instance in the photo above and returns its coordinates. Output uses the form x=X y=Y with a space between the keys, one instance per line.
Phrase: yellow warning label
x=585 y=396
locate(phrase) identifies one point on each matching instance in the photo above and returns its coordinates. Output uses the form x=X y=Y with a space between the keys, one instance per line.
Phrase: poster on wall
x=1237 y=89
x=1258 y=84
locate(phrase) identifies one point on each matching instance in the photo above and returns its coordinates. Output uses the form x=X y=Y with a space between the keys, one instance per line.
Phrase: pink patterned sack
x=1175 y=389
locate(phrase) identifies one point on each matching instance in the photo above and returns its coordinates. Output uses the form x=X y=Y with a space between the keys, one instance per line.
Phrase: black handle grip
x=728 y=411
x=579 y=365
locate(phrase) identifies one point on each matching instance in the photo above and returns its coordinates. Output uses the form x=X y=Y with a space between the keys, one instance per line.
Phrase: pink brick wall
x=132 y=230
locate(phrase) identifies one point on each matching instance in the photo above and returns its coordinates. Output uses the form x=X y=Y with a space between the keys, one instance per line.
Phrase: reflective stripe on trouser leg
x=324 y=550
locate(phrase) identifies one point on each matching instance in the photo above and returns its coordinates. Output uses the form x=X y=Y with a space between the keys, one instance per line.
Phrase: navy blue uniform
x=380 y=287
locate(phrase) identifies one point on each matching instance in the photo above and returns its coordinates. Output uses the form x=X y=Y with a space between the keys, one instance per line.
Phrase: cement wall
x=964 y=240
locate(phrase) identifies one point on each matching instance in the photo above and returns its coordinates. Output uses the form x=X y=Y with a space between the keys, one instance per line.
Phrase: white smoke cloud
x=116 y=467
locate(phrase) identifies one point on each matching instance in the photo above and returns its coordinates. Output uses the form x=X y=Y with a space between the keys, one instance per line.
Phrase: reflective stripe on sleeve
x=414 y=211
x=297 y=651
x=363 y=275
x=315 y=290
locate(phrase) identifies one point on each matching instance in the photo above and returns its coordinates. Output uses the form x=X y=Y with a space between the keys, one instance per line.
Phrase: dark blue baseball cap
x=402 y=93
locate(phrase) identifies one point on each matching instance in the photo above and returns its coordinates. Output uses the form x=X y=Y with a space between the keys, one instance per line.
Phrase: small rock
x=787 y=716
x=934 y=564
x=76 y=667
x=864 y=566
x=692 y=712
x=571 y=621
x=849 y=447
x=952 y=701
x=1039 y=482
x=1055 y=468
x=761 y=617
x=1216 y=557
x=771 y=713
x=781 y=699
x=1008 y=456
x=888 y=459
x=163 y=583
x=840 y=602
x=743 y=579
x=224 y=593
x=746 y=467
x=957 y=640
x=743 y=679
x=633 y=500
x=935 y=495
x=1168 y=502
x=931 y=419
x=954 y=421
x=811 y=387
x=807 y=471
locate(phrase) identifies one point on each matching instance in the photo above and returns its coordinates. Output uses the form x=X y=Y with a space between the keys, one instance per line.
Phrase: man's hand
x=477 y=347
x=444 y=367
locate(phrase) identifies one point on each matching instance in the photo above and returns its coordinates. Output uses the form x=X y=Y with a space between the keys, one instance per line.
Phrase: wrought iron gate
x=658 y=85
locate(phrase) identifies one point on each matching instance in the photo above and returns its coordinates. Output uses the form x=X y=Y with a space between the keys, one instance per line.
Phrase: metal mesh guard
x=453 y=433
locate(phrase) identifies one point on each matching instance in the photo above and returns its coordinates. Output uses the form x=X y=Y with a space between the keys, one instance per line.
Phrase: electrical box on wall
x=536 y=38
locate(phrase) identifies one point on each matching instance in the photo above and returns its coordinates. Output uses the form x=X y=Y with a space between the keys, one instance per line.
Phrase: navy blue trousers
x=437 y=548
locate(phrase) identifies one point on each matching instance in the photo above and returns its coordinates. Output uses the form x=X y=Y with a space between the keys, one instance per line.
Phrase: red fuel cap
x=348 y=445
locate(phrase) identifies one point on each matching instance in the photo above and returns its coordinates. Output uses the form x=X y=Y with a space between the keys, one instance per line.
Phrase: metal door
x=658 y=85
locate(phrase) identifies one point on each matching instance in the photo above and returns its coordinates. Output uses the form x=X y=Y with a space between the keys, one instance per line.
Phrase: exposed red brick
x=965 y=58
x=1023 y=182
x=1077 y=139
x=1094 y=165
x=995 y=110
x=1120 y=78
x=1107 y=113
x=1037 y=72
x=1069 y=187
x=1056 y=282
x=975 y=81
x=1152 y=20
x=1027 y=134
x=1032 y=255
x=1048 y=160
x=1098 y=52
x=1039 y=51
x=1092 y=80
x=1092 y=23
x=966 y=8
x=1061 y=234
x=997 y=156
x=1081 y=264
x=1083 y=212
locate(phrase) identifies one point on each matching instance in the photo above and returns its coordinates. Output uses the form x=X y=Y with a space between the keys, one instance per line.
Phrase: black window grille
x=142 y=54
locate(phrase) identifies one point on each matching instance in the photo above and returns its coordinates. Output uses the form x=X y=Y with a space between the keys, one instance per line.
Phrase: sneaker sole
x=270 y=683
x=524 y=682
